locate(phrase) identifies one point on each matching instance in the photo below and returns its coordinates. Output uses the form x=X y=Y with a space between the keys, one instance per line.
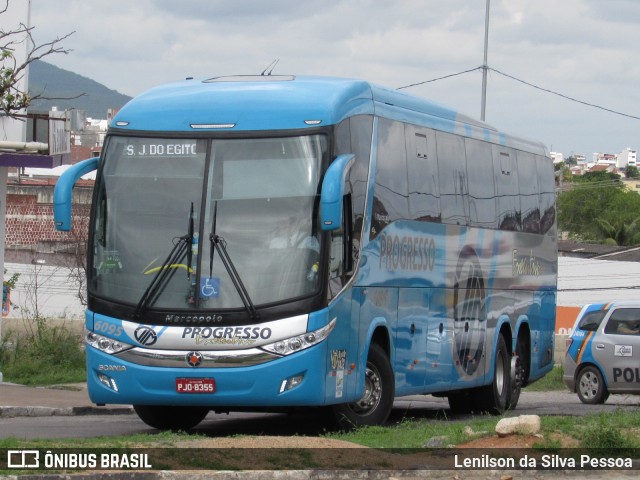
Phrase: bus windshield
x=163 y=205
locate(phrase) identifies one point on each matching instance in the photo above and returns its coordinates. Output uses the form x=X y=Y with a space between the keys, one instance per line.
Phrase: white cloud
x=582 y=48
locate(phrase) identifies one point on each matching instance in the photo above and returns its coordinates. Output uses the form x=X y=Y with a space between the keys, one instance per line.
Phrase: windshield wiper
x=180 y=250
x=220 y=245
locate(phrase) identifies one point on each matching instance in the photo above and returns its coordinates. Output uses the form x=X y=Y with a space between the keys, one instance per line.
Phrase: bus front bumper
x=299 y=379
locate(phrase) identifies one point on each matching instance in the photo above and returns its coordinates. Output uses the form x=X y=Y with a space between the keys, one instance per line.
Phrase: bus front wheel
x=171 y=418
x=375 y=405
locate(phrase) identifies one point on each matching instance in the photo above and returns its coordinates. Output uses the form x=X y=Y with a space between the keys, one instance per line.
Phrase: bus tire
x=379 y=390
x=519 y=367
x=494 y=398
x=170 y=418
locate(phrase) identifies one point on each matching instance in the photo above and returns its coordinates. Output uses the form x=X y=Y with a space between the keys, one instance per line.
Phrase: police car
x=603 y=351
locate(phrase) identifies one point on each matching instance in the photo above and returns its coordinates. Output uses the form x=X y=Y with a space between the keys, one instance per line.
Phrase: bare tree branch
x=12 y=98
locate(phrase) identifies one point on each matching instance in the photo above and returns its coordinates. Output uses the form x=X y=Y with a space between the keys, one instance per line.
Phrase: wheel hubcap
x=500 y=374
x=589 y=385
x=372 y=392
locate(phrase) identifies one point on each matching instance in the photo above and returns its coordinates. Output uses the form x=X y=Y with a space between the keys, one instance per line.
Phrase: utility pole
x=484 y=64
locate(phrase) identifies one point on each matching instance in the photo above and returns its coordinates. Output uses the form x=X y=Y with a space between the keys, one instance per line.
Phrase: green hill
x=53 y=82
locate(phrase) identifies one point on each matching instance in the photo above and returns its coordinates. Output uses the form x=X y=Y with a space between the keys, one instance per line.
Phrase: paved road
x=221 y=425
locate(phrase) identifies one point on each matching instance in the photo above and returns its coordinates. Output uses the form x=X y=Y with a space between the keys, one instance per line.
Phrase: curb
x=12 y=412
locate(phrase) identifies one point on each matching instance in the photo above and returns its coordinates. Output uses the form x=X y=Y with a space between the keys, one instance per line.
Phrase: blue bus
x=267 y=243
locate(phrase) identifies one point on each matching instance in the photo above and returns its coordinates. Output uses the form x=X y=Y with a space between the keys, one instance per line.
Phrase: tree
x=600 y=210
x=563 y=173
x=603 y=177
x=12 y=69
x=632 y=171
x=619 y=232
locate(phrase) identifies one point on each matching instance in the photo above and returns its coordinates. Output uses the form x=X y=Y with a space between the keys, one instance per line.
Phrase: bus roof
x=288 y=102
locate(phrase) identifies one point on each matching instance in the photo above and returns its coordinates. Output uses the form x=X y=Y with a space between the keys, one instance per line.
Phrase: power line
x=439 y=78
x=529 y=84
x=565 y=96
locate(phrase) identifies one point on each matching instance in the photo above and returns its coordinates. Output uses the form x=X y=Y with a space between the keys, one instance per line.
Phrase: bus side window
x=390 y=196
x=508 y=198
x=482 y=195
x=546 y=175
x=452 y=175
x=422 y=166
x=529 y=192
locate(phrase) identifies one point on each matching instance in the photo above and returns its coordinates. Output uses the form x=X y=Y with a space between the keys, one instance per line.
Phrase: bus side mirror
x=333 y=191
x=62 y=193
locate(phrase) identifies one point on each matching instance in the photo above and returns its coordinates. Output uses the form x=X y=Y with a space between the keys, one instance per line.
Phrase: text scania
x=407 y=253
x=241 y=333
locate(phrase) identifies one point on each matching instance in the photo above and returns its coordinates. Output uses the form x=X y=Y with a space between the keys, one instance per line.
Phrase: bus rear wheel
x=375 y=405
x=171 y=418
x=519 y=368
x=494 y=398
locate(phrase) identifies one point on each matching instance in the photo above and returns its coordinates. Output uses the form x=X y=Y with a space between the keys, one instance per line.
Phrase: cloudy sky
x=585 y=49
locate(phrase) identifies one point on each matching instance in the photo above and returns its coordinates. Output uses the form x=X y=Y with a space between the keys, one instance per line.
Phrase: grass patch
x=415 y=433
x=607 y=436
x=43 y=355
x=602 y=431
x=551 y=381
x=605 y=432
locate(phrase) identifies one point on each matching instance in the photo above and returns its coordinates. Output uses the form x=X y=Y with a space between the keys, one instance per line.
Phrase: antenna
x=269 y=69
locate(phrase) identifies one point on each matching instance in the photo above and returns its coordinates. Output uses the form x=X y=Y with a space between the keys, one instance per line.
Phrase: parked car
x=603 y=351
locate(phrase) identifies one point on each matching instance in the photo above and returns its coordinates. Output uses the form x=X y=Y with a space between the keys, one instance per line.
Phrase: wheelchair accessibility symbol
x=210 y=287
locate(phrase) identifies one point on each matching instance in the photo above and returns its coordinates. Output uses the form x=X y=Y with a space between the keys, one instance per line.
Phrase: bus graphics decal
x=202 y=336
x=469 y=311
x=145 y=335
x=413 y=253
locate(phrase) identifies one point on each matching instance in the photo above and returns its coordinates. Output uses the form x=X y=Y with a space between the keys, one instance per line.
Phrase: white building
x=557 y=157
x=626 y=157
x=605 y=158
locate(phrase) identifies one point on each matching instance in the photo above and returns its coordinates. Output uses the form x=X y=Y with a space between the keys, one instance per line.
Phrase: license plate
x=195 y=385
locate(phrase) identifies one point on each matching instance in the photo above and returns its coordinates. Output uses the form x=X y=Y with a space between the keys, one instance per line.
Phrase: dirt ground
x=271 y=452
x=493 y=441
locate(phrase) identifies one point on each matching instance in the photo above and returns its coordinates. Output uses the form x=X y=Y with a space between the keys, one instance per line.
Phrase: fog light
x=291 y=382
x=108 y=382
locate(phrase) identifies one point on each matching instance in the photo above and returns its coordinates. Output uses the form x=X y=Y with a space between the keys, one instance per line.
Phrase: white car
x=603 y=351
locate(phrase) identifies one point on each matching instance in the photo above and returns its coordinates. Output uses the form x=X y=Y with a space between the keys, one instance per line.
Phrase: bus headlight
x=300 y=342
x=105 y=344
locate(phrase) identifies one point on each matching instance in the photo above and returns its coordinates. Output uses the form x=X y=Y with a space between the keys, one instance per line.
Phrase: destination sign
x=157 y=148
